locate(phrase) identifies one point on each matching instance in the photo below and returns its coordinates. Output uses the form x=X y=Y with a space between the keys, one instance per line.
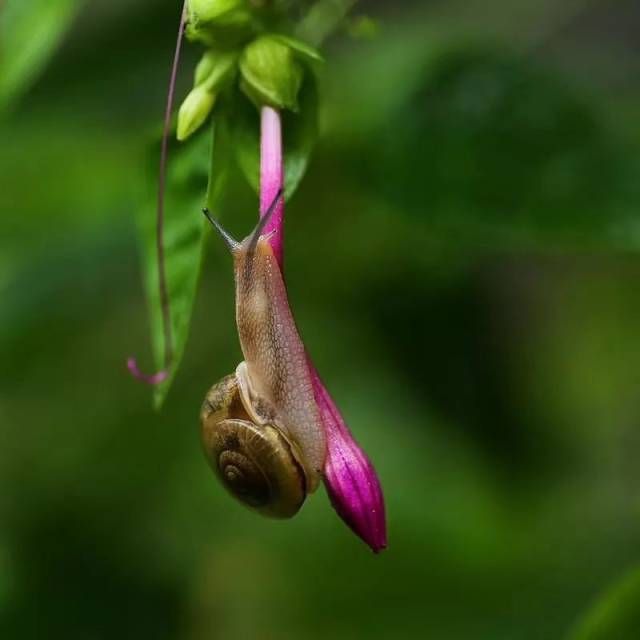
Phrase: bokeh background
x=463 y=264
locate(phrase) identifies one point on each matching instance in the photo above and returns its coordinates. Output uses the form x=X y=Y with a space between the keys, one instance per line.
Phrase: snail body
x=261 y=428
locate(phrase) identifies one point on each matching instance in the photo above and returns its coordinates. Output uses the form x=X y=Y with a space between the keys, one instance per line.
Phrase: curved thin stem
x=165 y=302
x=162 y=275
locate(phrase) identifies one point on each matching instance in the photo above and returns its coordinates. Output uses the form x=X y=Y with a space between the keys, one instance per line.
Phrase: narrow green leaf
x=616 y=615
x=219 y=159
x=194 y=172
x=323 y=18
x=30 y=30
x=300 y=131
x=307 y=52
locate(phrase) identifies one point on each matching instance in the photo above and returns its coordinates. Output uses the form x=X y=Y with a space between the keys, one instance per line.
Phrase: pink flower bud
x=349 y=476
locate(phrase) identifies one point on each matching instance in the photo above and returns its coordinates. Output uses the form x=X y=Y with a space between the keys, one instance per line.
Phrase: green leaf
x=298 y=46
x=30 y=30
x=616 y=614
x=300 y=131
x=323 y=18
x=195 y=171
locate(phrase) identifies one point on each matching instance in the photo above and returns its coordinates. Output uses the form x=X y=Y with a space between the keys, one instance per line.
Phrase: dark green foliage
x=501 y=152
x=616 y=615
x=29 y=33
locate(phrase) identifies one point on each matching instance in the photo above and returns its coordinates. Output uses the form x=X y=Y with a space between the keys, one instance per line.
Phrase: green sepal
x=270 y=74
x=213 y=72
x=215 y=69
x=219 y=22
x=304 y=50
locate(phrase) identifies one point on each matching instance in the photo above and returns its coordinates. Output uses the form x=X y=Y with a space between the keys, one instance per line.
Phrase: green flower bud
x=194 y=111
x=215 y=69
x=204 y=67
x=225 y=22
x=213 y=72
x=270 y=73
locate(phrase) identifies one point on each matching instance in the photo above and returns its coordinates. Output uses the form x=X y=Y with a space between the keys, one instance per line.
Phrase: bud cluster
x=269 y=67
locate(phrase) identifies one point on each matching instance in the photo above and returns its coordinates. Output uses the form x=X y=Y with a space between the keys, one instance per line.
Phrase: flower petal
x=350 y=479
x=349 y=476
x=153 y=379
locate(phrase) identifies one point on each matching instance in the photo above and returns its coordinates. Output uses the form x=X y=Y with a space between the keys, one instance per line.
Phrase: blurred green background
x=463 y=264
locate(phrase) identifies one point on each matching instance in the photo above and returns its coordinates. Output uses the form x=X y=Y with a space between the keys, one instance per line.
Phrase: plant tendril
x=165 y=303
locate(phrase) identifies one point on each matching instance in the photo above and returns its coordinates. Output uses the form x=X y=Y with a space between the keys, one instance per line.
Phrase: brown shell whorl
x=256 y=463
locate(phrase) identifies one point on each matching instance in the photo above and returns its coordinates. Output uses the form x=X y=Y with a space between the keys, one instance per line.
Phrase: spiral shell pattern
x=257 y=464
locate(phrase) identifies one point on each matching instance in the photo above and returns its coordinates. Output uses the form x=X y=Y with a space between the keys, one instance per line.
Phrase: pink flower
x=349 y=476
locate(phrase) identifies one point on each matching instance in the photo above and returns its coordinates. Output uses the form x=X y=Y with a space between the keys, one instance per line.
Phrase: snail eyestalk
x=229 y=240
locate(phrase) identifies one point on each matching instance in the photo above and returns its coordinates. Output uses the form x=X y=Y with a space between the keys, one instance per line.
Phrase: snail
x=261 y=429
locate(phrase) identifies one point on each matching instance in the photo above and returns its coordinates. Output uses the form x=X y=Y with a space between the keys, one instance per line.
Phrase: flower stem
x=165 y=302
x=272 y=177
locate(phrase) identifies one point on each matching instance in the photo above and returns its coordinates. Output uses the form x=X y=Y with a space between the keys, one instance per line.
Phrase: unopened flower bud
x=213 y=72
x=270 y=73
x=205 y=67
x=349 y=476
x=215 y=69
x=194 y=111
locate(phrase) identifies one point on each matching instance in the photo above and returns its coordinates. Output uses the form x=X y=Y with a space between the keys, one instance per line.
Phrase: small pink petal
x=350 y=479
x=153 y=379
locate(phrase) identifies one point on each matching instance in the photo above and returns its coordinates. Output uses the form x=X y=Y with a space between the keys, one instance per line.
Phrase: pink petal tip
x=350 y=479
x=153 y=379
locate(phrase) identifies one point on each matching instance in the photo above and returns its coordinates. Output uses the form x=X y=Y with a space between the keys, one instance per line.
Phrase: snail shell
x=261 y=427
x=256 y=463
